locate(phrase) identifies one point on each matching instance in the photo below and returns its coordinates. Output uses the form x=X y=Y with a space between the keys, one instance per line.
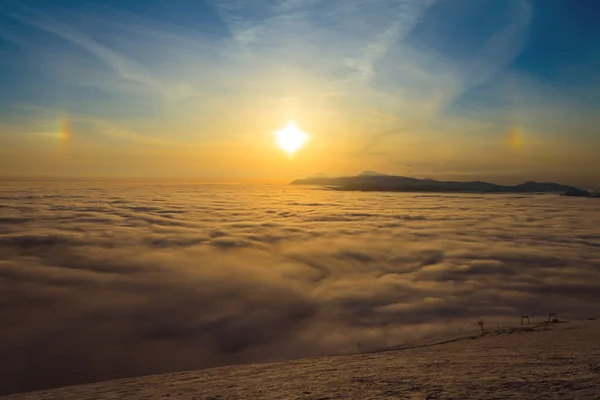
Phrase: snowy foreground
x=531 y=362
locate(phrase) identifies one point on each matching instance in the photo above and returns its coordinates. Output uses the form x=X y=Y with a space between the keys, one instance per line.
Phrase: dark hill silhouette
x=372 y=173
x=581 y=193
x=391 y=183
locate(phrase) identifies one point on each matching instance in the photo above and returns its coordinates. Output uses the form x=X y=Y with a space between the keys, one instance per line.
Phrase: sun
x=290 y=138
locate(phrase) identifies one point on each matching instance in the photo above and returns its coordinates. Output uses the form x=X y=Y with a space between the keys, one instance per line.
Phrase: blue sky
x=496 y=88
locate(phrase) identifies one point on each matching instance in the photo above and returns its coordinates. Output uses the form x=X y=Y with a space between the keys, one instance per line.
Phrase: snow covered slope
x=558 y=361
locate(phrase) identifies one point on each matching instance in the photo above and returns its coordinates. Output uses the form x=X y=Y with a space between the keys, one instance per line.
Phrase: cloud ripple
x=102 y=281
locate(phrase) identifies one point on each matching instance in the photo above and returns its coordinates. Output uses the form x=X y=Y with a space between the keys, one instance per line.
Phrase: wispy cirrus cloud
x=372 y=75
x=124 y=67
x=424 y=83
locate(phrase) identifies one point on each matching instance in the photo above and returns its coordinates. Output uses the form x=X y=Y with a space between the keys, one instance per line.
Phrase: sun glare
x=291 y=138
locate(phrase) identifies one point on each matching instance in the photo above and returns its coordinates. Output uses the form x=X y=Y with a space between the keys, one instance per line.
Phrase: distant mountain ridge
x=373 y=181
x=372 y=173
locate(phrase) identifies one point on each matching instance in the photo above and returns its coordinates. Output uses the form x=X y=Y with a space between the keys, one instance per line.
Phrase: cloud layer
x=112 y=280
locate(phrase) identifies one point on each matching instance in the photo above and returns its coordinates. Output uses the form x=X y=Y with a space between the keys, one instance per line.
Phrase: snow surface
x=553 y=361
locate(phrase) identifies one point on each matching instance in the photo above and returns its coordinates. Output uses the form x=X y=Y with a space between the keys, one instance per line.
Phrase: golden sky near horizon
x=392 y=87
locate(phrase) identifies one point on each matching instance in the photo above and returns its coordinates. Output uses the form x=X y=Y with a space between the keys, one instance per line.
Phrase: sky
x=500 y=90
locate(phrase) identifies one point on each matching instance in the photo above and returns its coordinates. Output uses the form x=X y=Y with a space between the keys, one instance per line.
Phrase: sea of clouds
x=108 y=280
